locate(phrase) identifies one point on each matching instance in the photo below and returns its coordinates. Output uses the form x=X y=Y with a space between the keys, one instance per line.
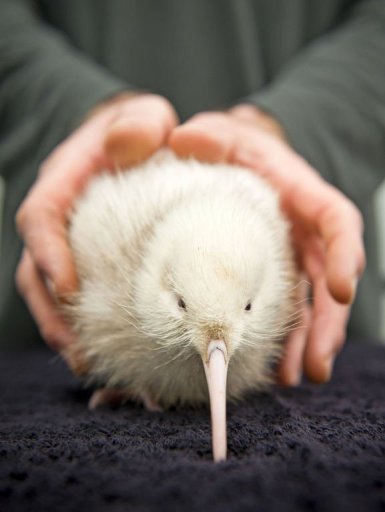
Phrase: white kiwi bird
x=181 y=263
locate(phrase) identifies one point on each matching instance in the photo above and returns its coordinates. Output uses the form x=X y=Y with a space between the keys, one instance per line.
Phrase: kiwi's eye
x=248 y=306
x=181 y=303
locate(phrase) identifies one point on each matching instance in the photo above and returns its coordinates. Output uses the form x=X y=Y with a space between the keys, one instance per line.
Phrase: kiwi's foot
x=150 y=404
x=116 y=397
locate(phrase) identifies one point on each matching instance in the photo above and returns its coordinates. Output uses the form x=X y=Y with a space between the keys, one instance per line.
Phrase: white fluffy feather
x=168 y=229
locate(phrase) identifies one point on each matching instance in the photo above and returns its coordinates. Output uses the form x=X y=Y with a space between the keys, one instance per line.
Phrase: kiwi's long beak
x=215 y=364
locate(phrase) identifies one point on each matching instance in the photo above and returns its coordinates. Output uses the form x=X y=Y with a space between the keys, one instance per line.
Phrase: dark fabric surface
x=315 y=448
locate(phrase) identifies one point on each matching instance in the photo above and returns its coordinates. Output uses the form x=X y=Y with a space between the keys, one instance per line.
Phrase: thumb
x=140 y=128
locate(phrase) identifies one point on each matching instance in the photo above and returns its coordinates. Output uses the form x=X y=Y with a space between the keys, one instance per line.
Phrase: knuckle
x=158 y=102
x=43 y=169
x=20 y=278
x=350 y=210
x=356 y=216
x=28 y=213
x=161 y=101
x=343 y=206
x=21 y=218
x=354 y=213
x=168 y=109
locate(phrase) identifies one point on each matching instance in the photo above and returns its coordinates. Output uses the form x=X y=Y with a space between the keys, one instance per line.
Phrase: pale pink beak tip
x=216 y=374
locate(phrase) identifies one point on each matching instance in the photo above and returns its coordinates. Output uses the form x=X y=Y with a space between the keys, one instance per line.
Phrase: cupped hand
x=327 y=227
x=120 y=132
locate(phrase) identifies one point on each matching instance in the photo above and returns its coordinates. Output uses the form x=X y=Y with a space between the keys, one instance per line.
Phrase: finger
x=328 y=329
x=341 y=228
x=290 y=368
x=43 y=216
x=306 y=197
x=208 y=137
x=85 y=153
x=256 y=117
x=141 y=128
x=50 y=321
x=327 y=336
x=43 y=226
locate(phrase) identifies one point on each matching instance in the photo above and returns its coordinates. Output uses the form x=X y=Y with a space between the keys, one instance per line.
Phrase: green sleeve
x=46 y=85
x=331 y=101
x=46 y=88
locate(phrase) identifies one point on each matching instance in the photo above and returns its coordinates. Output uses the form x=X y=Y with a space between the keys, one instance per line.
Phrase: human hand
x=120 y=132
x=327 y=227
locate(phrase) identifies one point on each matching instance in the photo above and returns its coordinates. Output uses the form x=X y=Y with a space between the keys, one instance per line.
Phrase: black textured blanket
x=315 y=448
